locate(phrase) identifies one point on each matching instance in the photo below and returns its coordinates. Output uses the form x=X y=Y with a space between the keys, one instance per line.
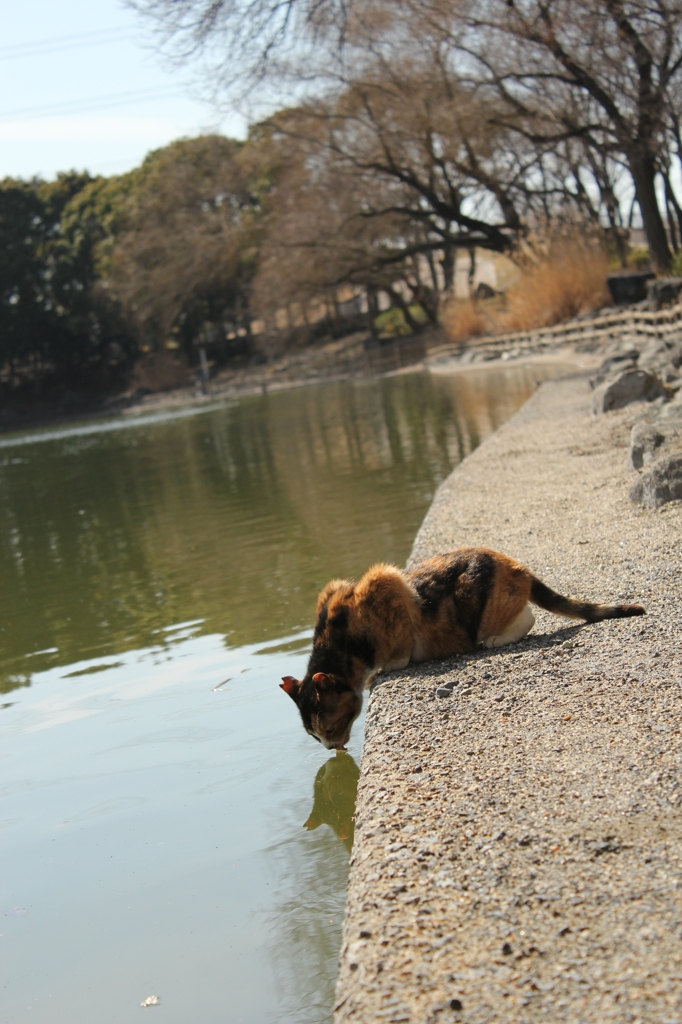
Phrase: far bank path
x=518 y=846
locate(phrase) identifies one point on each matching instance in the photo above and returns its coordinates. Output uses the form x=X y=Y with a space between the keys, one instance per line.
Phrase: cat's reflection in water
x=334 y=793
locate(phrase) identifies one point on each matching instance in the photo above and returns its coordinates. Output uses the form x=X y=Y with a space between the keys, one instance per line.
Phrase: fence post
x=203 y=369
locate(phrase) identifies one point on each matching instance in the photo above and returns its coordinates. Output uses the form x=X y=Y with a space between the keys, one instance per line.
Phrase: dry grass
x=570 y=279
x=463 y=319
x=564 y=280
x=159 y=371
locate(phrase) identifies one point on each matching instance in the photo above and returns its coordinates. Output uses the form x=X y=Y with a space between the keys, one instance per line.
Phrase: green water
x=168 y=828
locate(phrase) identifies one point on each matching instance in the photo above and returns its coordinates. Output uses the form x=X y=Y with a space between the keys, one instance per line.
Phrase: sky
x=82 y=87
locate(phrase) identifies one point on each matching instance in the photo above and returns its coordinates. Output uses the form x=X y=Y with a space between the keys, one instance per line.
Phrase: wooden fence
x=582 y=332
x=364 y=357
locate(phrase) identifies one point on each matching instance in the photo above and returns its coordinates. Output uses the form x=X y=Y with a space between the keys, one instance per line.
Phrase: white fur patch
x=515 y=631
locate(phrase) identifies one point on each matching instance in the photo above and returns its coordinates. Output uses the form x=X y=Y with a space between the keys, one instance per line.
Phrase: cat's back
x=379 y=601
x=464 y=569
x=468 y=574
x=456 y=590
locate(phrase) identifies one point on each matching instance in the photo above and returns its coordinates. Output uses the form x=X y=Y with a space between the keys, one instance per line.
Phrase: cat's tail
x=548 y=599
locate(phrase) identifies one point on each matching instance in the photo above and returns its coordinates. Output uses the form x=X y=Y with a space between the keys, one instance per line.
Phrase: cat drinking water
x=444 y=606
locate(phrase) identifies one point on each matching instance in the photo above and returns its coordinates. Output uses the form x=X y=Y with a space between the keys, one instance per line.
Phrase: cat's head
x=328 y=706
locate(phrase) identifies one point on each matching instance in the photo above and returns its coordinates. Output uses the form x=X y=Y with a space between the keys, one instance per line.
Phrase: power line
x=56 y=45
x=88 y=106
x=30 y=54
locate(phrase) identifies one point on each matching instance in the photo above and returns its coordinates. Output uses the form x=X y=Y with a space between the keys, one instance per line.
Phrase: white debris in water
x=150 y=1001
x=222 y=684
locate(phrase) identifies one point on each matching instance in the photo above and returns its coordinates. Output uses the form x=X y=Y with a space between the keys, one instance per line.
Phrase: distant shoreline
x=253 y=382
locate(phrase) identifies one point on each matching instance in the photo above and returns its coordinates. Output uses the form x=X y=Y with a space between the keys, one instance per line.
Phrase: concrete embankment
x=518 y=847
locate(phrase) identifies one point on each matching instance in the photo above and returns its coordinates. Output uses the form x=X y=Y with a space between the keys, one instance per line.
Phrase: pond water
x=168 y=828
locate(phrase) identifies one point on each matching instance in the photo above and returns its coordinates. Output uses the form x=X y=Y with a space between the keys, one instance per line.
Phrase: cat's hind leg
x=515 y=631
x=396 y=663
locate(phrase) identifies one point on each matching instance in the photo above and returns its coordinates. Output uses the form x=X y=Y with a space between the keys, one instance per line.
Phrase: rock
x=644 y=440
x=627 y=351
x=614 y=364
x=672 y=411
x=663 y=358
x=629 y=386
x=473 y=355
x=443 y=691
x=663 y=292
x=661 y=483
x=484 y=291
x=628 y=286
x=627 y=345
x=675 y=355
x=656 y=354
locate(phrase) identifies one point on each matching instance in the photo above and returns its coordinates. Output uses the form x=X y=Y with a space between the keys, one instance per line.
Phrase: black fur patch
x=334 y=655
x=433 y=587
x=467 y=581
x=334 y=648
x=307 y=703
x=339 y=620
x=362 y=648
x=321 y=620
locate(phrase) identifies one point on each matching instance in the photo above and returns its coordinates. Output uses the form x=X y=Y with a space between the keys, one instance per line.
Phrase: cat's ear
x=290 y=686
x=320 y=680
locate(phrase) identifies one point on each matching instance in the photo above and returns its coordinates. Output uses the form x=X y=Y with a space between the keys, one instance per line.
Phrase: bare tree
x=608 y=72
x=246 y=43
x=385 y=180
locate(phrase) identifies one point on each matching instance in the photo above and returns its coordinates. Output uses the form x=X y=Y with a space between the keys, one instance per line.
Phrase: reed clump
x=558 y=279
x=466 y=318
x=568 y=279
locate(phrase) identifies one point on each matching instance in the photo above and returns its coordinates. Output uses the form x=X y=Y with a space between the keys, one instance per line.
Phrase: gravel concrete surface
x=517 y=851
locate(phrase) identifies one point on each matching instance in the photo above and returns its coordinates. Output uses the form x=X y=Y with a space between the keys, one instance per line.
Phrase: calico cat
x=444 y=606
